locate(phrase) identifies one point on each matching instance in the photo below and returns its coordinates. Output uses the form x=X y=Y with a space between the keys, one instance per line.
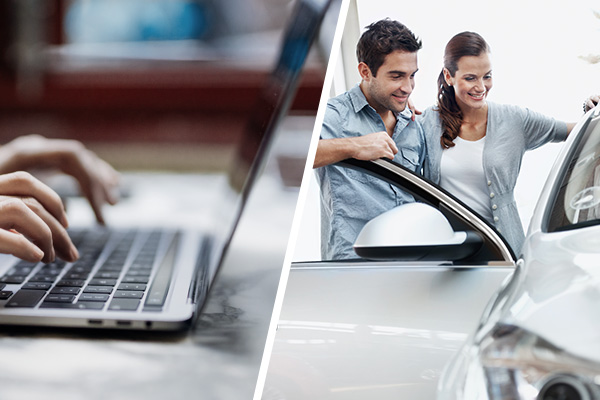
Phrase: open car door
x=385 y=328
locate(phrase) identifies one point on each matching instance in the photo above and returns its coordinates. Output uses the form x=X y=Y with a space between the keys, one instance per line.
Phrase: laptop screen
x=259 y=135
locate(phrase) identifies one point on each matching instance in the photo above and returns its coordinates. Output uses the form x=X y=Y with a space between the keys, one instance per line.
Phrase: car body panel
x=380 y=331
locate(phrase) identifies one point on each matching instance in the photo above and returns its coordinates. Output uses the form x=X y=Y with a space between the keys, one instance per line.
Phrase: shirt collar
x=359 y=101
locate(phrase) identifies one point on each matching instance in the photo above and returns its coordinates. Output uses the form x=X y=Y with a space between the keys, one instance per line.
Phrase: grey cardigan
x=511 y=130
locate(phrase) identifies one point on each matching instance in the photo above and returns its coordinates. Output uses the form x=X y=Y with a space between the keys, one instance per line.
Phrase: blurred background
x=160 y=85
x=544 y=56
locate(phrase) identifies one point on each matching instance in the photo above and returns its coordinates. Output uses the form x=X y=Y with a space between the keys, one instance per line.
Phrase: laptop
x=158 y=279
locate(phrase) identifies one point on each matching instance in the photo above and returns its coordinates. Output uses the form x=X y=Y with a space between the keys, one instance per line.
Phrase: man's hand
x=367 y=147
x=32 y=220
x=373 y=146
x=97 y=180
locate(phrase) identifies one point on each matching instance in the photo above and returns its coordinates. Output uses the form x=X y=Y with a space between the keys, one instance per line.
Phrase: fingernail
x=37 y=254
x=74 y=253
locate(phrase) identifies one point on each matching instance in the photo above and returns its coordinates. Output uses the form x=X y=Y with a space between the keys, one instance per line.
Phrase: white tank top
x=461 y=174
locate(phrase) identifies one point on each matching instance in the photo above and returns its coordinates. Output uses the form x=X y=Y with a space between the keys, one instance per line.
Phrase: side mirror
x=415 y=231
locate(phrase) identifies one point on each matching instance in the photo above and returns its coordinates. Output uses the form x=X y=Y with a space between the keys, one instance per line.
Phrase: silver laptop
x=158 y=279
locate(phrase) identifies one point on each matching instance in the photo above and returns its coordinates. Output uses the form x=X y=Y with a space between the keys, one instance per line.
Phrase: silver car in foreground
x=447 y=309
x=540 y=336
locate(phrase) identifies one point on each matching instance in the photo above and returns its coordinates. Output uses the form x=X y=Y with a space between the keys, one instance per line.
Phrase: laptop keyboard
x=117 y=270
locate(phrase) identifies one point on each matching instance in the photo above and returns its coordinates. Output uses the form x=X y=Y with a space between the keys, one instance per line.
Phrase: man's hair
x=380 y=39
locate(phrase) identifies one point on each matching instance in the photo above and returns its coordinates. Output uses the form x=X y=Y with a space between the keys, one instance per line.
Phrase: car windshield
x=577 y=201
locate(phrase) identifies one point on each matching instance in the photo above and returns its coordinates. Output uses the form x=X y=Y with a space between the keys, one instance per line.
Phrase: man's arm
x=368 y=147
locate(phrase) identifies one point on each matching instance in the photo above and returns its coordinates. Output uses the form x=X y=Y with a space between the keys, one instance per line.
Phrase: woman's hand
x=412 y=108
x=97 y=180
x=590 y=103
x=33 y=221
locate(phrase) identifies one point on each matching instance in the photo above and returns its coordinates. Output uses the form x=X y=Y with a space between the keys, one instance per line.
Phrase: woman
x=475 y=147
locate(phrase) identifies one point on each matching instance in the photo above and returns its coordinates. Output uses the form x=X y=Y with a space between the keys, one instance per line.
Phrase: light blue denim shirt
x=349 y=198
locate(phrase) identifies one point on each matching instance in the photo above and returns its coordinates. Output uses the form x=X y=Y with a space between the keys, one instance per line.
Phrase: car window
x=459 y=216
x=577 y=198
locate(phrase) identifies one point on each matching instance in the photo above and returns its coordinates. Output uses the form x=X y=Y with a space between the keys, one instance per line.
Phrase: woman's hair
x=380 y=39
x=461 y=45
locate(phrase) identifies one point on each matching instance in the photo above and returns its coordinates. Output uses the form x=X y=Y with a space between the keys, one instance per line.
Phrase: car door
x=383 y=329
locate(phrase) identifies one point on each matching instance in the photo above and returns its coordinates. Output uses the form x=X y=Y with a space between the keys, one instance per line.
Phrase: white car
x=453 y=314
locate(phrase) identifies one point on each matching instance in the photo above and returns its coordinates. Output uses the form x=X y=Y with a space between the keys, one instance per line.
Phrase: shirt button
x=492 y=195
x=489 y=183
x=496 y=219
x=494 y=207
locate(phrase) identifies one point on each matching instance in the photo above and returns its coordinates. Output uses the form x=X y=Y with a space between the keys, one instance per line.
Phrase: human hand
x=413 y=109
x=373 y=146
x=97 y=180
x=33 y=220
x=590 y=103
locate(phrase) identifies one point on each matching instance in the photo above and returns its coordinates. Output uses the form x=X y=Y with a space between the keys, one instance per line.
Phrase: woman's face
x=472 y=81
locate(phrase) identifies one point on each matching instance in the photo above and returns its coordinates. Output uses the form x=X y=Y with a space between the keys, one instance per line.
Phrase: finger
x=61 y=242
x=18 y=245
x=83 y=166
x=393 y=147
x=96 y=198
x=15 y=214
x=23 y=184
x=111 y=180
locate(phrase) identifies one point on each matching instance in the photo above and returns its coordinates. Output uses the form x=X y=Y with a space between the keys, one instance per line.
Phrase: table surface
x=220 y=359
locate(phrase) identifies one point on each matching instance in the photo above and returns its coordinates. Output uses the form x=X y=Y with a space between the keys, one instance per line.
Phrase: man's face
x=394 y=83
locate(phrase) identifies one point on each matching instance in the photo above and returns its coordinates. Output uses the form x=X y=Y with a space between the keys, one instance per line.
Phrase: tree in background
x=591 y=58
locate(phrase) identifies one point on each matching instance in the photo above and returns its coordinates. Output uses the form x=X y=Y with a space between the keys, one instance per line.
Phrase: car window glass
x=577 y=201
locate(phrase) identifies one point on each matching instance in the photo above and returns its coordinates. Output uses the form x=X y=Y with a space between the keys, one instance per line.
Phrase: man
x=369 y=121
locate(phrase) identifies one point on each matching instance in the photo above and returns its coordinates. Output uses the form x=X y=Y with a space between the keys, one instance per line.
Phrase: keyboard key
x=60 y=298
x=98 y=289
x=5 y=294
x=107 y=275
x=25 y=298
x=124 y=304
x=103 y=282
x=139 y=272
x=132 y=286
x=37 y=285
x=88 y=305
x=93 y=297
x=135 y=279
x=65 y=290
x=76 y=275
x=20 y=270
x=42 y=278
x=80 y=269
x=128 y=294
x=71 y=282
x=12 y=279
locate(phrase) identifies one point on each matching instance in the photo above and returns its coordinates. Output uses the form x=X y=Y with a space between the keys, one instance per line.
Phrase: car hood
x=558 y=296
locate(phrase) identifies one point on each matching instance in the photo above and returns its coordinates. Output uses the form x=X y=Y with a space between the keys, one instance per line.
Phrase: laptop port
x=95 y=321
x=149 y=324
x=124 y=323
